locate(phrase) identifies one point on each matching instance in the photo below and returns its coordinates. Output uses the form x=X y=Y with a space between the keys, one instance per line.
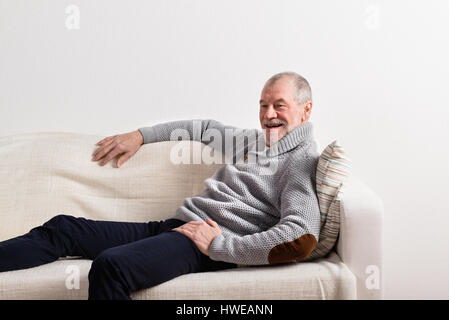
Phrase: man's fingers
x=201 y=236
x=110 y=155
x=103 y=146
x=99 y=143
x=187 y=233
x=123 y=158
x=196 y=222
x=188 y=227
x=191 y=227
x=125 y=145
x=211 y=222
x=101 y=152
x=102 y=141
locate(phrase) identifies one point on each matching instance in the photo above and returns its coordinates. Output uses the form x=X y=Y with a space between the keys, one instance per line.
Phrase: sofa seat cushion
x=326 y=278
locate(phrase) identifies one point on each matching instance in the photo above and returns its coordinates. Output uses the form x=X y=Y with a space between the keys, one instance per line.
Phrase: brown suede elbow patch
x=294 y=250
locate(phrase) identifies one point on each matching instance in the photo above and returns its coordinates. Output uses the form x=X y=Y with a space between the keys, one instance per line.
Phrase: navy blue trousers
x=127 y=256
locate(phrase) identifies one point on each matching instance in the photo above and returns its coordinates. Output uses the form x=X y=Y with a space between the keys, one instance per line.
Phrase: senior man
x=244 y=216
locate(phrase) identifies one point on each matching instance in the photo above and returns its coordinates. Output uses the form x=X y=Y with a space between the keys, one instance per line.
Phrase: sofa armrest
x=360 y=241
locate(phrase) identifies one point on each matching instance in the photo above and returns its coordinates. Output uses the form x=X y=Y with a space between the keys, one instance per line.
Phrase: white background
x=378 y=69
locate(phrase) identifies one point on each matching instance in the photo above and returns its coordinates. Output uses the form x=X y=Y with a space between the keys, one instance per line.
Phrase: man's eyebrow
x=278 y=100
x=281 y=100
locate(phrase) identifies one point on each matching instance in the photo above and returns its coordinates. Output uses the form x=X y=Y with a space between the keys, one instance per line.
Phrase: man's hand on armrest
x=123 y=145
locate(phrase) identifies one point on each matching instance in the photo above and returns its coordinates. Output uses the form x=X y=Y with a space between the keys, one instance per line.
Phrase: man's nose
x=270 y=113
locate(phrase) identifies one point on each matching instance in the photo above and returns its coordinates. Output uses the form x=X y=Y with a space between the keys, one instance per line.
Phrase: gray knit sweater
x=267 y=208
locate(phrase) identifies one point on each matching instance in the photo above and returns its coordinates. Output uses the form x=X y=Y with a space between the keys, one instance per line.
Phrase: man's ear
x=307 y=110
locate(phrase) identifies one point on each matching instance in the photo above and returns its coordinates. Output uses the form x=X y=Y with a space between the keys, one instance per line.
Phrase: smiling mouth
x=274 y=126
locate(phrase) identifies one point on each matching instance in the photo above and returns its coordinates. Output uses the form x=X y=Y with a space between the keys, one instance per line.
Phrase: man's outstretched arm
x=127 y=144
x=210 y=132
x=196 y=129
x=213 y=133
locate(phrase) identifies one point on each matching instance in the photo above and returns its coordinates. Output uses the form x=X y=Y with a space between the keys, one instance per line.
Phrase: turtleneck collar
x=293 y=139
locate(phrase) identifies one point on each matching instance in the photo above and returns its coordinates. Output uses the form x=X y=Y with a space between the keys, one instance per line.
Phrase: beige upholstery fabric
x=323 y=279
x=45 y=174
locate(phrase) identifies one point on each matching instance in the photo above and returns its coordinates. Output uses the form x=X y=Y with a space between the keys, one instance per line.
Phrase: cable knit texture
x=267 y=208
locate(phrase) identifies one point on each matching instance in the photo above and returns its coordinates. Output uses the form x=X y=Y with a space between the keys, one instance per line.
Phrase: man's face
x=279 y=111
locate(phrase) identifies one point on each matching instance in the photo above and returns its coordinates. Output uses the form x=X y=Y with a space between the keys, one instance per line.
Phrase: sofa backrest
x=46 y=174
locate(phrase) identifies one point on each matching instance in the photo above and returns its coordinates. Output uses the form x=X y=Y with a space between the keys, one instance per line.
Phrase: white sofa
x=50 y=173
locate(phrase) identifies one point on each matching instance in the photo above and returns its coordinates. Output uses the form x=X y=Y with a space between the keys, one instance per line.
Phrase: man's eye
x=263 y=105
x=280 y=106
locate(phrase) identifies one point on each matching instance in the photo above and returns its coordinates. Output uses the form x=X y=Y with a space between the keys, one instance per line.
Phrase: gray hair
x=303 y=92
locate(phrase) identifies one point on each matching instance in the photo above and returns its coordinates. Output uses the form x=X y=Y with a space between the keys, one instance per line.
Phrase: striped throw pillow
x=332 y=171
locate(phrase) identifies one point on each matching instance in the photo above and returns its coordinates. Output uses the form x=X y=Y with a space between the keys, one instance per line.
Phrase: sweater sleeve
x=195 y=129
x=293 y=238
x=210 y=132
